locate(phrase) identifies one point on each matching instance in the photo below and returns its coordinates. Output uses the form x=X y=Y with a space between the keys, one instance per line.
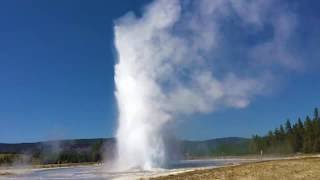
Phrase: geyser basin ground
x=99 y=171
x=297 y=168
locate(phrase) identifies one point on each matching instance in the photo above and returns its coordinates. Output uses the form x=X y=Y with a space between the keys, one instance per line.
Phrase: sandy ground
x=98 y=171
x=289 y=168
x=231 y=168
x=23 y=169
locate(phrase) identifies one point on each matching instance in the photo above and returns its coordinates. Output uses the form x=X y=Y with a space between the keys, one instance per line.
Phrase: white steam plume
x=177 y=59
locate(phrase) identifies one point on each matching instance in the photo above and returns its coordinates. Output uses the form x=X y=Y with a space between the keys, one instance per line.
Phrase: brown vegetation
x=300 y=168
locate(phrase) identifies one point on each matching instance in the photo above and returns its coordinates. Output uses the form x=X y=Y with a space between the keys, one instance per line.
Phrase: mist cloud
x=173 y=51
x=185 y=57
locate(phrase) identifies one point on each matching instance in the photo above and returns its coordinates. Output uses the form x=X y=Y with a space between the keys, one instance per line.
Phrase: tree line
x=8 y=159
x=299 y=137
x=90 y=154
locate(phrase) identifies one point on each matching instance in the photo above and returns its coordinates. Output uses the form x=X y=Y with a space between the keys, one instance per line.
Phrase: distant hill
x=79 y=145
x=59 y=151
x=186 y=148
x=216 y=147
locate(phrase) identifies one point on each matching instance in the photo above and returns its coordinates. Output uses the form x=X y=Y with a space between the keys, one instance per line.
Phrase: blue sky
x=56 y=75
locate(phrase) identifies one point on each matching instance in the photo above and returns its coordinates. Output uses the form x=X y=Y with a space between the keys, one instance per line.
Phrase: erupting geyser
x=139 y=95
x=177 y=59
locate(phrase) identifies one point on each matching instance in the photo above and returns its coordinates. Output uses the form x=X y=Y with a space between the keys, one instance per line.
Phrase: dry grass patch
x=302 y=168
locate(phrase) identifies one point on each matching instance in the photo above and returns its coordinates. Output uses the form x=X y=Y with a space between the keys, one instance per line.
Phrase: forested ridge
x=303 y=136
x=299 y=136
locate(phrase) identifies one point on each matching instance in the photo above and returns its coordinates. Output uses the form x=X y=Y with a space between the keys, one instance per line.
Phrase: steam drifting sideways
x=186 y=57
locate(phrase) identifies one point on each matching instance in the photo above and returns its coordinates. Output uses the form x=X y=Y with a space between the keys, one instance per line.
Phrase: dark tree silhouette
x=301 y=136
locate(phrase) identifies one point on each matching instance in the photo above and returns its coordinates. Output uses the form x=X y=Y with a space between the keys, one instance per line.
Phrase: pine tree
x=316 y=114
x=288 y=127
x=302 y=136
x=295 y=138
x=277 y=135
x=316 y=131
x=308 y=144
x=282 y=134
x=290 y=139
x=300 y=125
